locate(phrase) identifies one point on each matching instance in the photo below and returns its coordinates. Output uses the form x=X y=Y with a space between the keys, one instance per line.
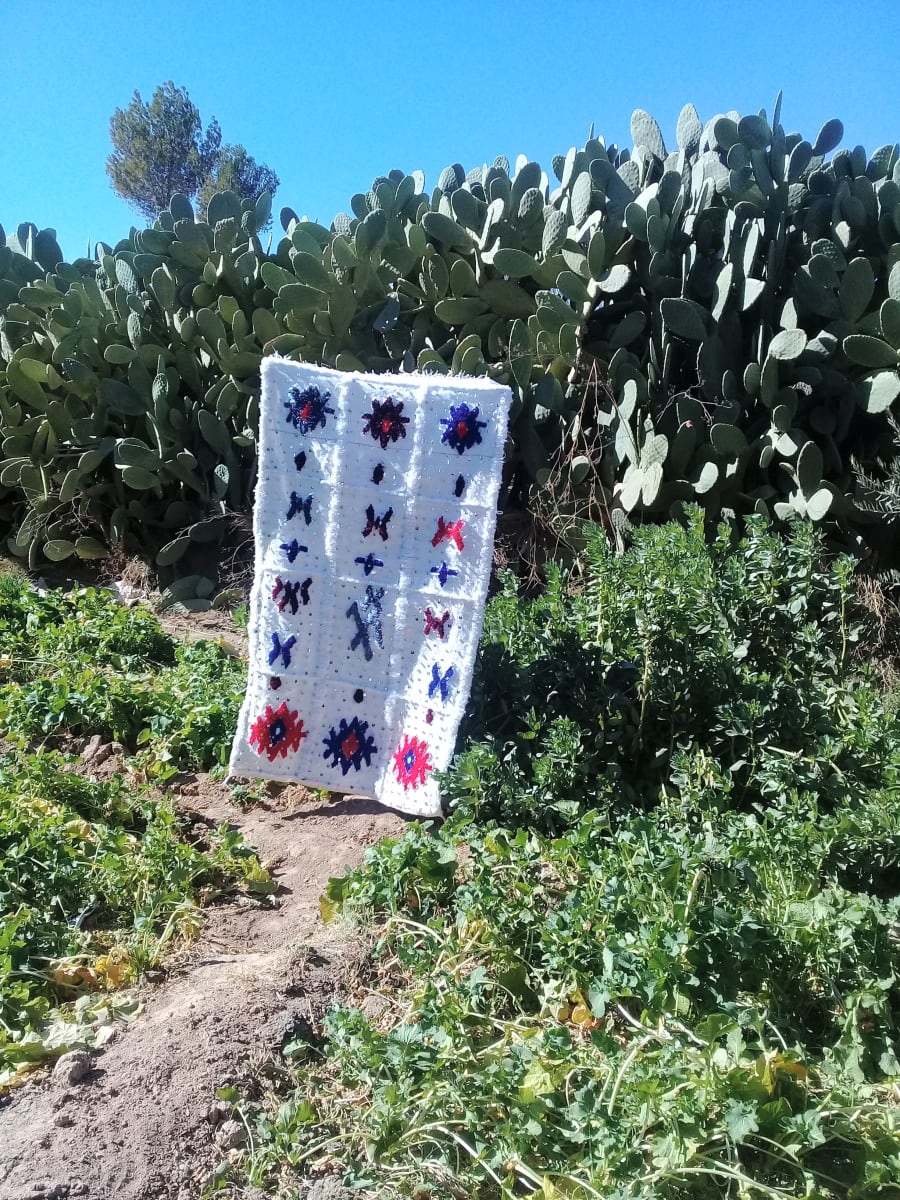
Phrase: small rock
x=218 y=1111
x=231 y=1135
x=328 y=1188
x=71 y=1068
x=96 y=751
x=63 y=1119
x=91 y=747
x=375 y=1006
x=126 y=593
x=284 y=1025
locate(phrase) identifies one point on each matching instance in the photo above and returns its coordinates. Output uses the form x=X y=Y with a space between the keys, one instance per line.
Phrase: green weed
x=654 y=954
x=98 y=878
x=78 y=663
x=739 y=651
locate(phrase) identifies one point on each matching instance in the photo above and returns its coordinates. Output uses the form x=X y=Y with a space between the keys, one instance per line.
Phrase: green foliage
x=599 y=692
x=654 y=952
x=879 y=494
x=160 y=148
x=97 y=878
x=716 y=323
x=687 y=1002
x=238 y=172
x=139 y=440
x=882 y=495
x=78 y=664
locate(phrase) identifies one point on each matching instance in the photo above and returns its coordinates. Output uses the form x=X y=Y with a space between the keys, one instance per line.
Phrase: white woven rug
x=374 y=522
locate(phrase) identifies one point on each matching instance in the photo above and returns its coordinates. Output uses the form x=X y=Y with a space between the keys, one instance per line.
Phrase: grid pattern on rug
x=374 y=522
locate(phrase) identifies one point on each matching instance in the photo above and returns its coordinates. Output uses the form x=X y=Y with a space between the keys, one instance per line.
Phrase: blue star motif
x=463 y=428
x=369 y=563
x=349 y=744
x=443 y=573
x=307 y=409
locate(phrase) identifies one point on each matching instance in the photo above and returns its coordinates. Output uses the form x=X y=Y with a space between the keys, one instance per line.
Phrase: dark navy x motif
x=300 y=508
x=377 y=524
x=290 y=593
x=368 y=621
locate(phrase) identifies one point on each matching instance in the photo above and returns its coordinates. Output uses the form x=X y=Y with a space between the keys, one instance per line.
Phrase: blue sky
x=332 y=94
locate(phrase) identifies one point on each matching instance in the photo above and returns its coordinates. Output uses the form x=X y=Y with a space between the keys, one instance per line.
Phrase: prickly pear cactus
x=718 y=322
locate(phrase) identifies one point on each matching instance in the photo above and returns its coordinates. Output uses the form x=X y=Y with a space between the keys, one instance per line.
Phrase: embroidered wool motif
x=374 y=522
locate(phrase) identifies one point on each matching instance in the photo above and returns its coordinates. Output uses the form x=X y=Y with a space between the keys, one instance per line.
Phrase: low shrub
x=655 y=950
x=619 y=681
x=79 y=663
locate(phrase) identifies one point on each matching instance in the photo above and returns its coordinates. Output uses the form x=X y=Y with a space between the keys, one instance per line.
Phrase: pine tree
x=237 y=171
x=161 y=147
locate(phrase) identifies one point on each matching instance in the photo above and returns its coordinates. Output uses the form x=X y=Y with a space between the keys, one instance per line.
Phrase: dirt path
x=138 y=1126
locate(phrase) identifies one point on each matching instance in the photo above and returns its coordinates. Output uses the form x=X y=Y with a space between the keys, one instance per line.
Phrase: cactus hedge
x=716 y=322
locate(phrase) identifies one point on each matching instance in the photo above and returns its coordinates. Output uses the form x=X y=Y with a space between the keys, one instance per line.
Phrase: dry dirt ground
x=140 y=1125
